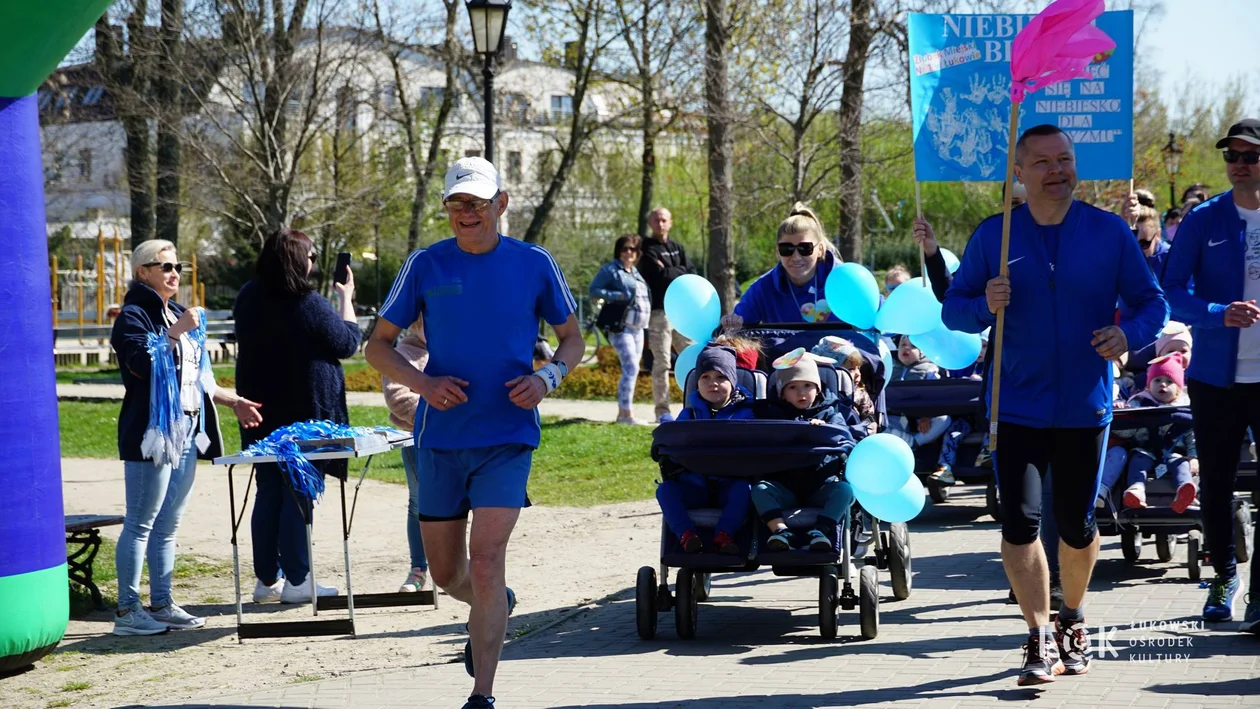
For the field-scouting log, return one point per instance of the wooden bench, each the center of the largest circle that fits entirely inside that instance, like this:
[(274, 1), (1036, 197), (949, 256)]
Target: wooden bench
[(85, 531)]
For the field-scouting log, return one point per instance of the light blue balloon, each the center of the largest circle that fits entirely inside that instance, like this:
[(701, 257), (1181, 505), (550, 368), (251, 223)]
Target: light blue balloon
[(900, 505), (687, 362), (951, 261), (692, 306), (909, 311), (885, 355), (880, 464), (948, 348), (853, 295)]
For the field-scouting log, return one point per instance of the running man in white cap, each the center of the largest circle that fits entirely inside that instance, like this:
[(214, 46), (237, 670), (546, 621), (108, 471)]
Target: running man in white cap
[(481, 295)]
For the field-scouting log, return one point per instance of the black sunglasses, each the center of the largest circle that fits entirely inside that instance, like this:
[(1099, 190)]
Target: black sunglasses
[(805, 248), (1248, 158), (630, 248), (167, 266)]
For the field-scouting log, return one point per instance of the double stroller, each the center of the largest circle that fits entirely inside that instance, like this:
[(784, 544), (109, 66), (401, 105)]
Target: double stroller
[(759, 450), (1158, 519)]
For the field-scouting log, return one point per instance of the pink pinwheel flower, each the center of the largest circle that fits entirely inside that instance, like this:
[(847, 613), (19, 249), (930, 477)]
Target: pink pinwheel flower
[(1057, 45)]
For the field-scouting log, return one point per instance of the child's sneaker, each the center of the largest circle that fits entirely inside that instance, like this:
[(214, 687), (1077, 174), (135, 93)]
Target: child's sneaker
[(1075, 649), (943, 475), (690, 542), (1135, 497), (818, 541), (724, 544), (780, 540), (1186, 492)]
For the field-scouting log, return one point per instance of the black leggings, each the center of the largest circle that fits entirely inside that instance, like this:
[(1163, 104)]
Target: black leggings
[(1024, 456), (1221, 419)]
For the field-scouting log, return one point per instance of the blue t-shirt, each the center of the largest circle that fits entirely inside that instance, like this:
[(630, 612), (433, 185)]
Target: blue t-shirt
[(481, 315)]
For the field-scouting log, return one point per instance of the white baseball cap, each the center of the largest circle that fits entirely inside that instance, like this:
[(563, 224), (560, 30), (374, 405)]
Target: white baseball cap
[(474, 176)]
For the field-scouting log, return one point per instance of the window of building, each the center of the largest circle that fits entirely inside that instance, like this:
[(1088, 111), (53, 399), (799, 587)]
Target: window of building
[(431, 97), (514, 166), (561, 108), (516, 108), (93, 96), (85, 165)]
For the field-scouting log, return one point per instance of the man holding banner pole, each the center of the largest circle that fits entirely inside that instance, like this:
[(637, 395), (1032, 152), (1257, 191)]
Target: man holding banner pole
[(1069, 262)]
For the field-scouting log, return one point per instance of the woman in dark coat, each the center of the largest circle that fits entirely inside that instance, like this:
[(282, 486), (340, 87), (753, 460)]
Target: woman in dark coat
[(291, 343)]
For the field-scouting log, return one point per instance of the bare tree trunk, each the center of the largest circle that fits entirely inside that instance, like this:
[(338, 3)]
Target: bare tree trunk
[(451, 49), (717, 37), (127, 79), (169, 115), (279, 90), (861, 34), (648, 186)]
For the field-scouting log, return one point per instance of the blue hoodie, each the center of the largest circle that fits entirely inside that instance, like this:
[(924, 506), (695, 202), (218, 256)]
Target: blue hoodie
[(1209, 252), (773, 298), (739, 407), (1051, 375)]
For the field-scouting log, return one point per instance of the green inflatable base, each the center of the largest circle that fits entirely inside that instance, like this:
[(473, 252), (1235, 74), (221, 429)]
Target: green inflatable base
[(36, 609)]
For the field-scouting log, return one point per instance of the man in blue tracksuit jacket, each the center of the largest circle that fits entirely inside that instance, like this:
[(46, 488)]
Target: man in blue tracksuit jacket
[(1218, 248), (1069, 262)]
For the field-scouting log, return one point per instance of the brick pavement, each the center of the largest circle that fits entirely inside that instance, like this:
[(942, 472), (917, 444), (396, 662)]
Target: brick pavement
[(954, 643)]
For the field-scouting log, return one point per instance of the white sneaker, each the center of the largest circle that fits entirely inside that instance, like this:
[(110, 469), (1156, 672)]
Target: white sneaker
[(301, 593), (415, 581), (268, 594), (632, 421), (137, 622), (176, 618)]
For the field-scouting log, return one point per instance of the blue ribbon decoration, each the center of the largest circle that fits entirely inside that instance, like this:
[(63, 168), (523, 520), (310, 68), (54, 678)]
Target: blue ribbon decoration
[(283, 442), (168, 430)]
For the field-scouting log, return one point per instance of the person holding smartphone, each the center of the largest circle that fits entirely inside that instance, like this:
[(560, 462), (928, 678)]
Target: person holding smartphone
[(290, 343)]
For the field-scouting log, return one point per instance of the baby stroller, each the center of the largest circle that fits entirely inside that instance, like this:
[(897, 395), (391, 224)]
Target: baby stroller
[(1157, 519), (956, 398), (758, 450)]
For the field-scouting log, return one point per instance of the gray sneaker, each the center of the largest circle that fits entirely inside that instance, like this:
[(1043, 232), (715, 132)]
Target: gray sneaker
[(137, 622), (1251, 619), (177, 618)]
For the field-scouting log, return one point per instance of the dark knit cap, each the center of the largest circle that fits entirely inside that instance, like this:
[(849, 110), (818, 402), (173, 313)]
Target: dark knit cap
[(717, 358)]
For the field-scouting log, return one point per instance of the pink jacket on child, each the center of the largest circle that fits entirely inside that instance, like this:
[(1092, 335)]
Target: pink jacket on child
[(402, 401)]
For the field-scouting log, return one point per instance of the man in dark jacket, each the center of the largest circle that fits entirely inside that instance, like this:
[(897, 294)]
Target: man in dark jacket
[(1068, 264), (661, 262), (1218, 248)]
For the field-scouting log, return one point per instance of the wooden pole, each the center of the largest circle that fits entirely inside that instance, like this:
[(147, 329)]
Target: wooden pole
[(918, 212), (100, 286), (1005, 271), (193, 295), (118, 268), (201, 294), (78, 279)]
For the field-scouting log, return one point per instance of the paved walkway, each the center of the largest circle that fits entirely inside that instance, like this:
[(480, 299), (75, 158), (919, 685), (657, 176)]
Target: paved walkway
[(559, 408), (954, 643)]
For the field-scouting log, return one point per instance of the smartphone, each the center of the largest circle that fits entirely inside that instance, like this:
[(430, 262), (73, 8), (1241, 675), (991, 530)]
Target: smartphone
[(341, 273)]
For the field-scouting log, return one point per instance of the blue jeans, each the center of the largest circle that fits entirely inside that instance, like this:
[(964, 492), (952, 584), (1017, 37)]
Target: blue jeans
[(156, 497), (414, 541), (279, 532), (690, 491)]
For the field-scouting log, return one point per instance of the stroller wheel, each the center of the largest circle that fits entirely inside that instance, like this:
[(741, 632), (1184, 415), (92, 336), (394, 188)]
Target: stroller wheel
[(645, 607), (1165, 546), (868, 600), (828, 597), (1192, 555), (1131, 544), (1242, 531), (687, 606), (706, 587), (899, 560)]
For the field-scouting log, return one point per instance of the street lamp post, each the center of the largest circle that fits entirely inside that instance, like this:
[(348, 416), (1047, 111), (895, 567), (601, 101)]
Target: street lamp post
[(1172, 163), (377, 206), (488, 18)]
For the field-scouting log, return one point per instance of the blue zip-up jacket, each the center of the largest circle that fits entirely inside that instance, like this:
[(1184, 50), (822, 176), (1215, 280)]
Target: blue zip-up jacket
[(1209, 252), (614, 283), (1051, 375), (697, 409), (773, 298)]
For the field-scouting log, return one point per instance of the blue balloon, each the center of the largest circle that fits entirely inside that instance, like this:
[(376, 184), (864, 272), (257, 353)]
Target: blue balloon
[(948, 348), (900, 505), (885, 355), (880, 464), (692, 306), (853, 295), (687, 362), (909, 311), (951, 261)]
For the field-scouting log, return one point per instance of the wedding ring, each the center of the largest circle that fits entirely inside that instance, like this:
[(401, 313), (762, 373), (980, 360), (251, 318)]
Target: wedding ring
[(445, 402)]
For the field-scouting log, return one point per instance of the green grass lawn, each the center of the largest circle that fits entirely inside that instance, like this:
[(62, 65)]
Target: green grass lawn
[(579, 462), (189, 568)]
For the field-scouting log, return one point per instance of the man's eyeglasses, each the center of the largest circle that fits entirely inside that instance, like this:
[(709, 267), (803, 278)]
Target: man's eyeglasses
[(805, 248), (455, 206), (167, 266), (1248, 158)]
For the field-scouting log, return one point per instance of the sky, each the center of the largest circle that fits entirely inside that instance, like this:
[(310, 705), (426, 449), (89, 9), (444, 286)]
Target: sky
[(1206, 42)]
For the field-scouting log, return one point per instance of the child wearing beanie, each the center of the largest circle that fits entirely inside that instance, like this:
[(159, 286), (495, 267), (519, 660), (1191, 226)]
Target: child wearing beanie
[(848, 357), (717, 396), (800, 398), (912, 365)]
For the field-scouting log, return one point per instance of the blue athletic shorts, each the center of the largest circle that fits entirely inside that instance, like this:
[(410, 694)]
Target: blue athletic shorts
[(451, 482)]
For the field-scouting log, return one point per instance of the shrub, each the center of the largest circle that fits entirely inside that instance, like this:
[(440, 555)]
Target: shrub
[(601, 380), (364, 379)]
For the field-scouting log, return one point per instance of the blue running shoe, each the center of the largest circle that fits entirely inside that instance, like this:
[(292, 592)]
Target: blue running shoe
[(1220, 600)]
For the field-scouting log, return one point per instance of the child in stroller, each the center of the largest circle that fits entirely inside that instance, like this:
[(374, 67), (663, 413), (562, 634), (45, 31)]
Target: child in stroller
[(717, 396), (912, 365), (849, 358), (1156, 450), (801, 398)]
